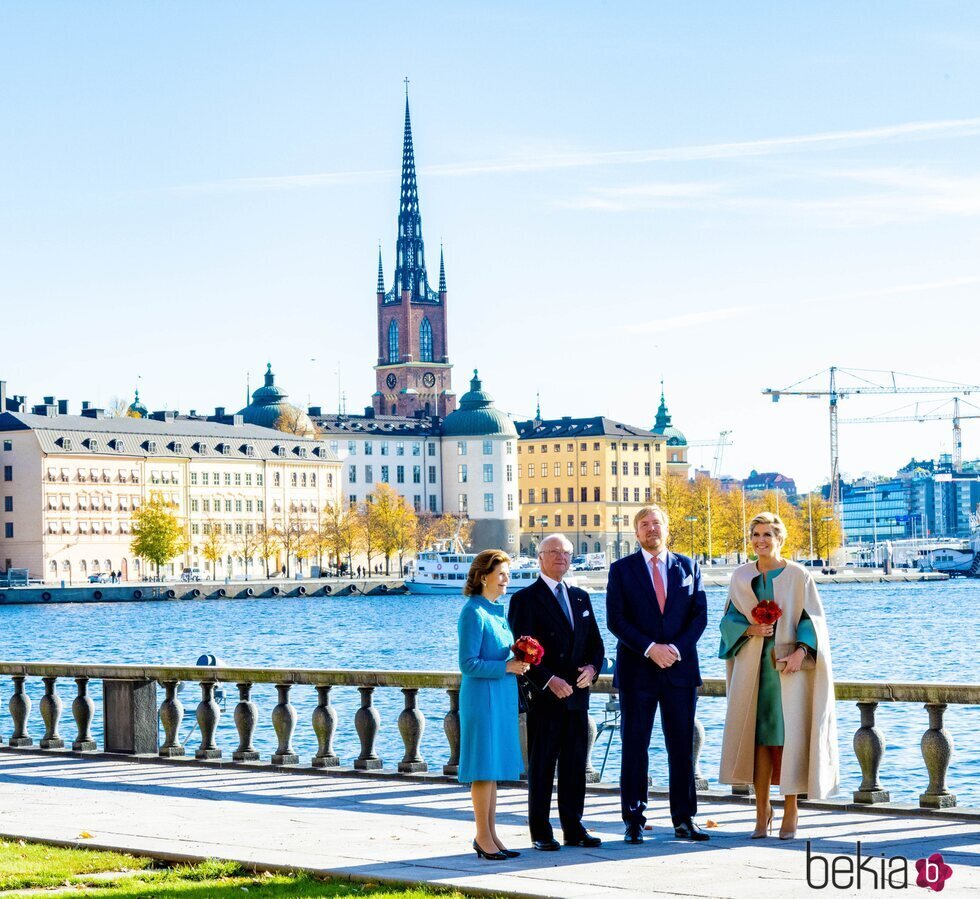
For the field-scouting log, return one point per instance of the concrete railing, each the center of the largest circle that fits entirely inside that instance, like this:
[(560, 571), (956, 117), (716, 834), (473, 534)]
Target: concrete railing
[(130, 715)]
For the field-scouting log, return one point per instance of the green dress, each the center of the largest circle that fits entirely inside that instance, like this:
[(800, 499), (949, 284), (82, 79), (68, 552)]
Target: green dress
[(769, 711)]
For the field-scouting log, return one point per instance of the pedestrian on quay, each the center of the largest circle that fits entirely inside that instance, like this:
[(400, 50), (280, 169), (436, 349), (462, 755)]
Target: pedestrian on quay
[(780, 724), (489, 743), (656, 606), (561, 619)]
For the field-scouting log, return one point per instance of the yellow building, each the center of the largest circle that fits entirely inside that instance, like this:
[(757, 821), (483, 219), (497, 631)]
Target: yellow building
[(585, 478)]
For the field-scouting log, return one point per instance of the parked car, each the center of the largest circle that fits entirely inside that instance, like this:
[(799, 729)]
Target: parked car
[(98, 578), (190, 574)]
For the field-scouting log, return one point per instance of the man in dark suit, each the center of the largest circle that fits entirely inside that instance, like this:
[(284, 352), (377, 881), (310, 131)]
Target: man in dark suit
[(656, 607), (561, 619)]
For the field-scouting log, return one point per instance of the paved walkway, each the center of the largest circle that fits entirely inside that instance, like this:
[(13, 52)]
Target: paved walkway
[(418, 831)]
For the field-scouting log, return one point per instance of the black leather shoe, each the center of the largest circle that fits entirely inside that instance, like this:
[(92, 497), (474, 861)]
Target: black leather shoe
[(510, 853), (489, 856), (551, 845), (688, 830), (586, 840), (634, 834)]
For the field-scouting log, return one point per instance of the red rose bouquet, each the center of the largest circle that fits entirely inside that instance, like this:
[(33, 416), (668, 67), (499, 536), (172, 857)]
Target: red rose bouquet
[(527, 649), (766, 611)]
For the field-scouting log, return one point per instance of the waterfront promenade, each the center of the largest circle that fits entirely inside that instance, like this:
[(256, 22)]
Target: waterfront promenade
[(372, 828)]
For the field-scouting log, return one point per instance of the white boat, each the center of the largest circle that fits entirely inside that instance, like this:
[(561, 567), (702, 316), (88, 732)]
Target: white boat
[(438, 572)]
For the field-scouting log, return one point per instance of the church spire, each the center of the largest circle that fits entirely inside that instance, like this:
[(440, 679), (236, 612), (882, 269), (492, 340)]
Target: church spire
[(410, 271), (381, 274), (442, 271)]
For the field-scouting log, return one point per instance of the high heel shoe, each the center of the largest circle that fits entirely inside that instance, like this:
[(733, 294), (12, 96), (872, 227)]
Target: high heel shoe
[(489, 856), (766, 831), (788, 834), (510, 853)]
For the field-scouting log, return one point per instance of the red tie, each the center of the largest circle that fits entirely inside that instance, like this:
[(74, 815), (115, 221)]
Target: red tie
[(658, 584)]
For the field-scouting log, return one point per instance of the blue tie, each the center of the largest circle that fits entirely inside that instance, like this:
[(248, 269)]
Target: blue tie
[(559, 595)]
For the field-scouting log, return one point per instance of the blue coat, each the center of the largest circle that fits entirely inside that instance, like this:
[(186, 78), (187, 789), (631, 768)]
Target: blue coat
[(634, 616), (489, 742)]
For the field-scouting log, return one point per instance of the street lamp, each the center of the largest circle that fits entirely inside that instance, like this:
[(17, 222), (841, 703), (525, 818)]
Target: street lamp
[(693, 519), (617, 521), (826, 531)]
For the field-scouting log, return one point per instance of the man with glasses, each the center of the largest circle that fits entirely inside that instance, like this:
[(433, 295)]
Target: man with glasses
[(561, 619)]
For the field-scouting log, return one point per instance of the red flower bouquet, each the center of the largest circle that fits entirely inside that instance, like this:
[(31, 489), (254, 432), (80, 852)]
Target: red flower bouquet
[(767, 612), (527, 649)]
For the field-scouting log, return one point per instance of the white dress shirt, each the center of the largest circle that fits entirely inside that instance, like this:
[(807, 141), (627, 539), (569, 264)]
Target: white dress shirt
[(552, 586), (661, 558)]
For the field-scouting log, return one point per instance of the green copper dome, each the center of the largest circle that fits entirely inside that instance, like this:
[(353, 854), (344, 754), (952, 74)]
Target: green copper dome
[(663, 428), (476, 415), (136, 408), (269, 405)]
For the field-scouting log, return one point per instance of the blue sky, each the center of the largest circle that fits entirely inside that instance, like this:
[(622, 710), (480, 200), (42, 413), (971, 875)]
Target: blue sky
[(727, 196)]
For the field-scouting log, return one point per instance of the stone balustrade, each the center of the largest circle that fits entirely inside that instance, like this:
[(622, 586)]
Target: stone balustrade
[(130, 716)]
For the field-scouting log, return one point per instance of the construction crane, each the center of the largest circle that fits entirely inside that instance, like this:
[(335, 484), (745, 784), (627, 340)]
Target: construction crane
[(719, 446), (932, 415), (865, 386)]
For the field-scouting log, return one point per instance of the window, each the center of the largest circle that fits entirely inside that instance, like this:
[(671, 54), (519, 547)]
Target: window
[(636, 494), (530, 449), (294, 479), (352, 474), (597, 522), (646, 469), (636, 469), (399, 447), (460, 447), (558, 520), (384, 447), (432, 449), (207, 504), (195, 528), (238, 479), (227, 479), (303, 479), (8, 446), (509, 448), (432, 503), (596, 494), (615, 494), (393, 354), (530, 470), (416, 474), (351, 447), (530, 521), (259, 480), (275, 479), (530, 497), (558, 469), (238, 505), (615, 467), (596, 467), (8, 504), (193, 479), (647, 494), (432, 474), (544, 495), (461, 474), (228, 528), (368, 449), (368, 474), (584, 495), (487, 447), (194, 505), (260, 505), (8, 472), (510, 502), (571, 494), (384, 474), (248, 479), (238, 530), (227, 505), (487, 502), (205, 478), (557, 447), (488, 474), (416, 448), (8, 530), (464, 505), (509, 475), (571, 468), (658, 469), (425, 341), (400, 474)]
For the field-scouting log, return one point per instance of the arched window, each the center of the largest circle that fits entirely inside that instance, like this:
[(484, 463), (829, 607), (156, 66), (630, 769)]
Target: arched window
[(393, 354), (425, 341)]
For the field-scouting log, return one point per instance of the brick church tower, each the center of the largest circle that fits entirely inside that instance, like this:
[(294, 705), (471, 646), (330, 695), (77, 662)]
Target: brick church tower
[(413, 371)]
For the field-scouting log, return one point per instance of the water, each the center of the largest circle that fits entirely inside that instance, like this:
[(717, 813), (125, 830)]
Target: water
[(896, 632)]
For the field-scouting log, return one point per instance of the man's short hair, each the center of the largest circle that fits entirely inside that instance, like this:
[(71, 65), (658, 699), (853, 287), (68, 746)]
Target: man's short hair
[(649, 510), (566, 543)]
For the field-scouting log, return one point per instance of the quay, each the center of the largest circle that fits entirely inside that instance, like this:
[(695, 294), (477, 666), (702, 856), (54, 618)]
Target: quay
[(366, 828)]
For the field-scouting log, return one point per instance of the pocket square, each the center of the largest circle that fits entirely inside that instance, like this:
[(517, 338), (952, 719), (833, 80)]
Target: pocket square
[(687, 581), (585, 613)]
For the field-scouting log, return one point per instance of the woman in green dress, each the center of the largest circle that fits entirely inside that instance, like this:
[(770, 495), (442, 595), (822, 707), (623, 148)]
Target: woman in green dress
[(780, 726)]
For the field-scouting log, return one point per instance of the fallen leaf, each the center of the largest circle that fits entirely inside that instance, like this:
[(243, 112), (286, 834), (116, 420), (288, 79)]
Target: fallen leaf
[(710, 823), (85, 835)]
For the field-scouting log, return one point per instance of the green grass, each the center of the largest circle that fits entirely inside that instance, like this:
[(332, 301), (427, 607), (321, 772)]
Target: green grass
[(94, 875)]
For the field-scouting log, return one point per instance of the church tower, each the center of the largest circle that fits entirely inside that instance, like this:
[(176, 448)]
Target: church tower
[(413, 371)]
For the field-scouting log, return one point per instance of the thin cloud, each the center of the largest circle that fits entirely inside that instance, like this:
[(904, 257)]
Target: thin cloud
[(686, 320), (942, 129)]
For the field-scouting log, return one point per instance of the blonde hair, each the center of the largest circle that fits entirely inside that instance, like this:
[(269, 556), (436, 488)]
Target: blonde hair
[(649, 510), (771, 519), (483, 566)]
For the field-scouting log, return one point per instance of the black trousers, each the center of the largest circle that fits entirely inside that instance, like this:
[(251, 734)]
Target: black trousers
[(556, 736), (638, 709)]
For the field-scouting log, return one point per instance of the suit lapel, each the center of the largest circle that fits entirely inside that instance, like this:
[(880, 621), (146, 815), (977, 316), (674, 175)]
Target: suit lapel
[(550, 603)]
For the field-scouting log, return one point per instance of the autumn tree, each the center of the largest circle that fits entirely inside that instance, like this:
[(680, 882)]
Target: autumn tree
[(249, 545), (343, 529), (369, 535), (293, 420), (158, 534), (392, 522), (213, 545), (268, 545), (817, 519), (428, 528)]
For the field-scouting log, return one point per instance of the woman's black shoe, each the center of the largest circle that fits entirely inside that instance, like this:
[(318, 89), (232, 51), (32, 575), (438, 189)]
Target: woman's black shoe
[(490, 856), (510, 853)]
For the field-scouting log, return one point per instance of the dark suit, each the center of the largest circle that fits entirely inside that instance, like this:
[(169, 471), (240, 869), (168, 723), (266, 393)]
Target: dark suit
[(557, 729), (633, 615)]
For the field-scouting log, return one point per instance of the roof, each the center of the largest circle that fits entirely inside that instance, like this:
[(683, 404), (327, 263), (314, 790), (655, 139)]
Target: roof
[(376, 426), (477, 416), (132, 436), (596, 426)]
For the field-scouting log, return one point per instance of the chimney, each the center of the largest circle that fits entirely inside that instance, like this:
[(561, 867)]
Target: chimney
[(90, 411), (49, 401), (85, 405), (219, 411), (237, 419), (315, 411), (163, 416), (3, 397), (369, 411), (62, 407), (47, 409)]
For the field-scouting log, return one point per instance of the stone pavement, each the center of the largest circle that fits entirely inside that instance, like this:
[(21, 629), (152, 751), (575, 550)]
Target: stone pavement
[(379, 829)]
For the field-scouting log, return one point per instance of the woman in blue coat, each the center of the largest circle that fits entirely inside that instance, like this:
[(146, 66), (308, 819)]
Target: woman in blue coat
[(489, 745)]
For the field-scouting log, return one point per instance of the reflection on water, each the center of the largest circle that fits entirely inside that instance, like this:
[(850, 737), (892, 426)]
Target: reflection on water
[(898, 632)]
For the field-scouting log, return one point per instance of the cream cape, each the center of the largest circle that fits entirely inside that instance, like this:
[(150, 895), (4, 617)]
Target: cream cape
[(810, 757)]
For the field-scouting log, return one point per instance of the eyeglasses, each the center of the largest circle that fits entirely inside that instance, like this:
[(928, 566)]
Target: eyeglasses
[(556, 552)]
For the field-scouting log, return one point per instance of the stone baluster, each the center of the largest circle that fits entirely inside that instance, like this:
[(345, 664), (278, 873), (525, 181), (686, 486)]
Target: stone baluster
[(591, 775), (83, 711), (869, 747), (20, 710), (246, 717), (324, 726), (171, 714), (284, 724), (208, 713), (51, 707), (366, 723), (700, 781), (450, 724), (411, 725), (937, 749)]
